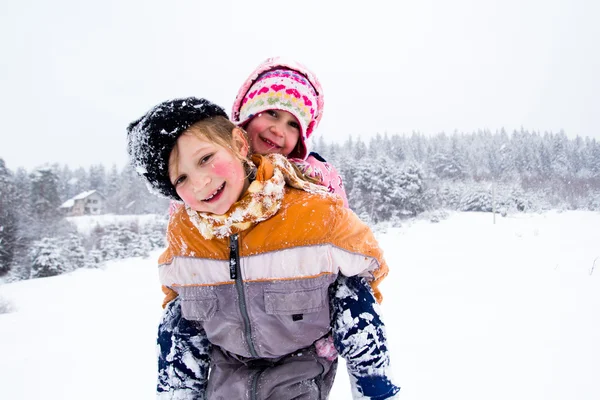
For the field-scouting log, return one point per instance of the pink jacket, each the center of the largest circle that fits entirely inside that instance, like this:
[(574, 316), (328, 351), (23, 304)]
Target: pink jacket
[(316, 167)]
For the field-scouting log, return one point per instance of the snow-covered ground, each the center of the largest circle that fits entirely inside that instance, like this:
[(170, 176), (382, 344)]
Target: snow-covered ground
[(474, 310)]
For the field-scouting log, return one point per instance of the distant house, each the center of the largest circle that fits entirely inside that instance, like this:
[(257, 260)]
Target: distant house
[(85, 203)]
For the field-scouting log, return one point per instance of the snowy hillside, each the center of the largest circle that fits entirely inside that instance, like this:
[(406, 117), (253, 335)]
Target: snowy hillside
[(474, 311)]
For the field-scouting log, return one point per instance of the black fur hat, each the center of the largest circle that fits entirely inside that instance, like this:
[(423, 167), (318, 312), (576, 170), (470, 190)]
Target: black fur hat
[(151, 138)]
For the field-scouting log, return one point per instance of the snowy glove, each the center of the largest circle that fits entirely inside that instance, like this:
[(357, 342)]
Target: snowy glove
[(183, 357), (373, 388), (359, 336)]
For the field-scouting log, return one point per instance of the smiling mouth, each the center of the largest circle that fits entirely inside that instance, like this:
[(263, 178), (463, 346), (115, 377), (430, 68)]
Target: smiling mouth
[(270, 144), (216, 193)]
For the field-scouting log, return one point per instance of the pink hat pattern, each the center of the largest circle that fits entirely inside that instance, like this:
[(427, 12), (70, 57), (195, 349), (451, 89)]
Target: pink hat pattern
[(282, 89)]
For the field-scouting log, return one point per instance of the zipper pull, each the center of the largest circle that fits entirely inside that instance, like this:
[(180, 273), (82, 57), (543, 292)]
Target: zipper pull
[(234, 258)]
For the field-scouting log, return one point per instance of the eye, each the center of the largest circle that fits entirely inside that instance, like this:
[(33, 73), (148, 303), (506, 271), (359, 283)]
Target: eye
[(294, 125), (205, 159), (179, 180), (272, 113)]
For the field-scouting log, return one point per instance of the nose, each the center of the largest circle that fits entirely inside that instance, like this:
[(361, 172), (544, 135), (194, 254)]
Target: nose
[(278, 129), (200, 183)]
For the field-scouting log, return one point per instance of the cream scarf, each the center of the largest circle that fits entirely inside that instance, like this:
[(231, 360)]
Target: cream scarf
[(260, 202)]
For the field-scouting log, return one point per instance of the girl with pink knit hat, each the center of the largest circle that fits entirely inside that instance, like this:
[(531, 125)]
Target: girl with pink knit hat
[(280, 105)]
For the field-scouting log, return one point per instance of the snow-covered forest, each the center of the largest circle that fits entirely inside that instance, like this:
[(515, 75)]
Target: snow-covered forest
[(37, 239), (395, 176), (388, 178)]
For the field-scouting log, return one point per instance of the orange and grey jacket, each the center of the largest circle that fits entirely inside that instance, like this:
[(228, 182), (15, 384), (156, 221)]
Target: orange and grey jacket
[(272, 279)]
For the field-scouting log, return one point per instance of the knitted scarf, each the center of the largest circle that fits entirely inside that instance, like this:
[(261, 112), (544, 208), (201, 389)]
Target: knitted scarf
[(260, 202)]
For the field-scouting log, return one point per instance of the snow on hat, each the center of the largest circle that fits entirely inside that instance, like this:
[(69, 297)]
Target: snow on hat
[(151, 138), (279, 84)]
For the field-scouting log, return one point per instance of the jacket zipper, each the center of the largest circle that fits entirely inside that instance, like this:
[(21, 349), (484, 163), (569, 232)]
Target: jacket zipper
[(254, 385), (235, 272)]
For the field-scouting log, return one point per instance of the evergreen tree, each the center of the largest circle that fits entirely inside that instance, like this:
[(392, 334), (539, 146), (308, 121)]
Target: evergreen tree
[(93, 258), (320, 146), (372, 189), (347, 170), (8, 219), (376, 147), (112, 191), (577, 156), (594, 159), (360, 150), (47, 258), (97, 179), (109, 244), (333, 154), (545, 165), (518, 147), (477, 201), (79, 182), (348, 147), (129, 242), (494, 163), (507, 162), (478, 156), (154, 233), (418, 147), (44, 195), (447, 166), (135, 197), (26, 228), (408, 194), (395, 148), (560, 162), (74, 252), (65, 175)]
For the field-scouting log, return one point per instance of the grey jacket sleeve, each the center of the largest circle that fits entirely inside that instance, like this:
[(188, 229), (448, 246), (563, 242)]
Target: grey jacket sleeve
[(183, 356)]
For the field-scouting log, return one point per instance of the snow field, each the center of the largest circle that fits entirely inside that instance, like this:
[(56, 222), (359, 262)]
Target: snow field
[(474, 310)]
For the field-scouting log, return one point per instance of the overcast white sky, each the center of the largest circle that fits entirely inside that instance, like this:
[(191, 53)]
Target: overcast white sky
[(75, 73)]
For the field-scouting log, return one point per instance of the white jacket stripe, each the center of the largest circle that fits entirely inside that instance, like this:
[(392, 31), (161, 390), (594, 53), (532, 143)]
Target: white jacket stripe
[(296, 262)]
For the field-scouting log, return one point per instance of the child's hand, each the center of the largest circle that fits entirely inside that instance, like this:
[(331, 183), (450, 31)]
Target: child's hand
[(307, 169), (325, 348)]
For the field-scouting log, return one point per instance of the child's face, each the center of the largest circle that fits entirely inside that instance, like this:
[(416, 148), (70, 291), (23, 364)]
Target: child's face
[(208, 177), (273, 131)]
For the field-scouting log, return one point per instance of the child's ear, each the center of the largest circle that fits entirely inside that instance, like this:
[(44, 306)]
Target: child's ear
[(239, 139)]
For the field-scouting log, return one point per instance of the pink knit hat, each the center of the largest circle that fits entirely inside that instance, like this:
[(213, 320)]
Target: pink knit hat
[(279, 84)]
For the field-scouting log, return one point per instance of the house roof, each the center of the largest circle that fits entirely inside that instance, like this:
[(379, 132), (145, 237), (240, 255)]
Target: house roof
[(71, 202)]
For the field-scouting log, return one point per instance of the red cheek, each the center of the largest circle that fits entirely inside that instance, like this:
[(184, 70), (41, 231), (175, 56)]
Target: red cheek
[(222, 168)]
